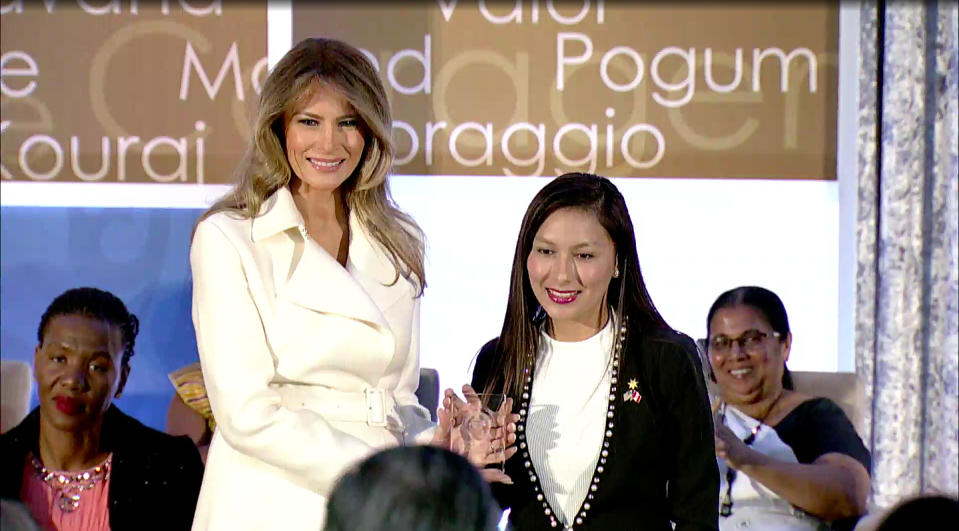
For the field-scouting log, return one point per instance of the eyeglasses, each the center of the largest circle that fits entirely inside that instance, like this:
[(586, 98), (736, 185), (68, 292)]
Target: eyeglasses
[(751, 342)]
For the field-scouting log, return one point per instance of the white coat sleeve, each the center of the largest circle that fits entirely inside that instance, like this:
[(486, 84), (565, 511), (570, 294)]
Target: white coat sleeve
[(416, 419), (238, 366)]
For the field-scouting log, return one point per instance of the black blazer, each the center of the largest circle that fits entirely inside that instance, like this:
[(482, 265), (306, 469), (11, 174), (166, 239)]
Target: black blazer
[(661, 465), (155, 478)]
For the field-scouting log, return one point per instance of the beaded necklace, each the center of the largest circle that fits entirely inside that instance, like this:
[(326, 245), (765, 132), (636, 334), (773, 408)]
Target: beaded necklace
[(604, 453), (67, 487)]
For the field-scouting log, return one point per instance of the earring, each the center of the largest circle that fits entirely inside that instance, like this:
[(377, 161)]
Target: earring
[(616, 272)]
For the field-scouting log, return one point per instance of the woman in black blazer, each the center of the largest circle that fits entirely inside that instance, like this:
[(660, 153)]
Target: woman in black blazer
[(78, 462), (155, 477), (615, 429)]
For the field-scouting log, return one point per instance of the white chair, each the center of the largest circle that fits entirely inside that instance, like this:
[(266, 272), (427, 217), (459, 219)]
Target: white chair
[(16, 384)]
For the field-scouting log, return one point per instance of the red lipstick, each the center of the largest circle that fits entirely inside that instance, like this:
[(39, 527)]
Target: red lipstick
[(68, 406)]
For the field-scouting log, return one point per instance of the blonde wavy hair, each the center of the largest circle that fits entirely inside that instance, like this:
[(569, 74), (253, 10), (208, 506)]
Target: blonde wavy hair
[(265, 167)]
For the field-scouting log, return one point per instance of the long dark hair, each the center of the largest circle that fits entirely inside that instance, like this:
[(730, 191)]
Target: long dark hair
[(519, 338), (764, 301)]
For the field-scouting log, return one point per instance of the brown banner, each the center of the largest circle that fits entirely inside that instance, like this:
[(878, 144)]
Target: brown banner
[(536, 87), (160, 91), (127, 91)]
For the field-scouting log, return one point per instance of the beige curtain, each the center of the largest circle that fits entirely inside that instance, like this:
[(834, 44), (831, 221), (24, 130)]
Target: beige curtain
[(907, 300)]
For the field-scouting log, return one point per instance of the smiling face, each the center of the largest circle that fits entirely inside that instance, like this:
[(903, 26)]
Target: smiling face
[(570, 267), (79, 369), (750, 369), (324, 139)]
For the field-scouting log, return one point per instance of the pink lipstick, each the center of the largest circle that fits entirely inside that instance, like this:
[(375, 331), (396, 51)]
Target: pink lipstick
[(562, 297)]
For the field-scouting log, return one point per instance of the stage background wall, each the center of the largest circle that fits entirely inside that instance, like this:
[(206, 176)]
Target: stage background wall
[(139, 254), (773, 210)]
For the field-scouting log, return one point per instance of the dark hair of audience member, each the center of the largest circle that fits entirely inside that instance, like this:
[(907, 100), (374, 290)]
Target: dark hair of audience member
[(922, 512), (98, 304), (414, 488), (767, 303), (14, 516)]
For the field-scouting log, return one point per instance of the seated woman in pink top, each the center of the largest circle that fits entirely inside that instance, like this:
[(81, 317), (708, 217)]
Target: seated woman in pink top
[(76, 461)]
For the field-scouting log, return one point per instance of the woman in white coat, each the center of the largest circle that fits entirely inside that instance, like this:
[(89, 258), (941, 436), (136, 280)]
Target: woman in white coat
[(306, 299)]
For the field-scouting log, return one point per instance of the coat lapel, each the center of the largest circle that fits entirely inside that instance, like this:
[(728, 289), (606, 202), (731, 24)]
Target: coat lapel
[(306, 275), (318, 282), (369, 265)]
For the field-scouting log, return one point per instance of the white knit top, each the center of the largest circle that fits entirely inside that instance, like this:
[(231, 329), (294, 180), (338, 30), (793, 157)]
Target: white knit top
[(567, 416)]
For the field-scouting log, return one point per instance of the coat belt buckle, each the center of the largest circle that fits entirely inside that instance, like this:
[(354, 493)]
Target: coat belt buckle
[(375, 407)]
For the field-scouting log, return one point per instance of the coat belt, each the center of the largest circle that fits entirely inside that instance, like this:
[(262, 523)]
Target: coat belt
[(374, 406)]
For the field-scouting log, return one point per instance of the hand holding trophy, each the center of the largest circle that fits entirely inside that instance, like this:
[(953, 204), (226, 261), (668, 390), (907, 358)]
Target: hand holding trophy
[(482, 428)]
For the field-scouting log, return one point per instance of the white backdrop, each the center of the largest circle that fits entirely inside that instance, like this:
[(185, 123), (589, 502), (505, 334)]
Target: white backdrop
[(695, 239)]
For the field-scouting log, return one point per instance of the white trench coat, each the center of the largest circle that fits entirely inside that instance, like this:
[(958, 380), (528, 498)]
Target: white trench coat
[(309, 366)]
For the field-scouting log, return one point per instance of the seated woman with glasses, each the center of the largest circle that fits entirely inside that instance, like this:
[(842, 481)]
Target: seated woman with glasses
[(787, 461)]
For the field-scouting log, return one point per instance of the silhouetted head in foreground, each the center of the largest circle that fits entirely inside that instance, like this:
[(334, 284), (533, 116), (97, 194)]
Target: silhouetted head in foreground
[(415, 488)]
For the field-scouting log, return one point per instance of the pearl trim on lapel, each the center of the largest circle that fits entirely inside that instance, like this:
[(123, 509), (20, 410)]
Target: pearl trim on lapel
[(607, 436)]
